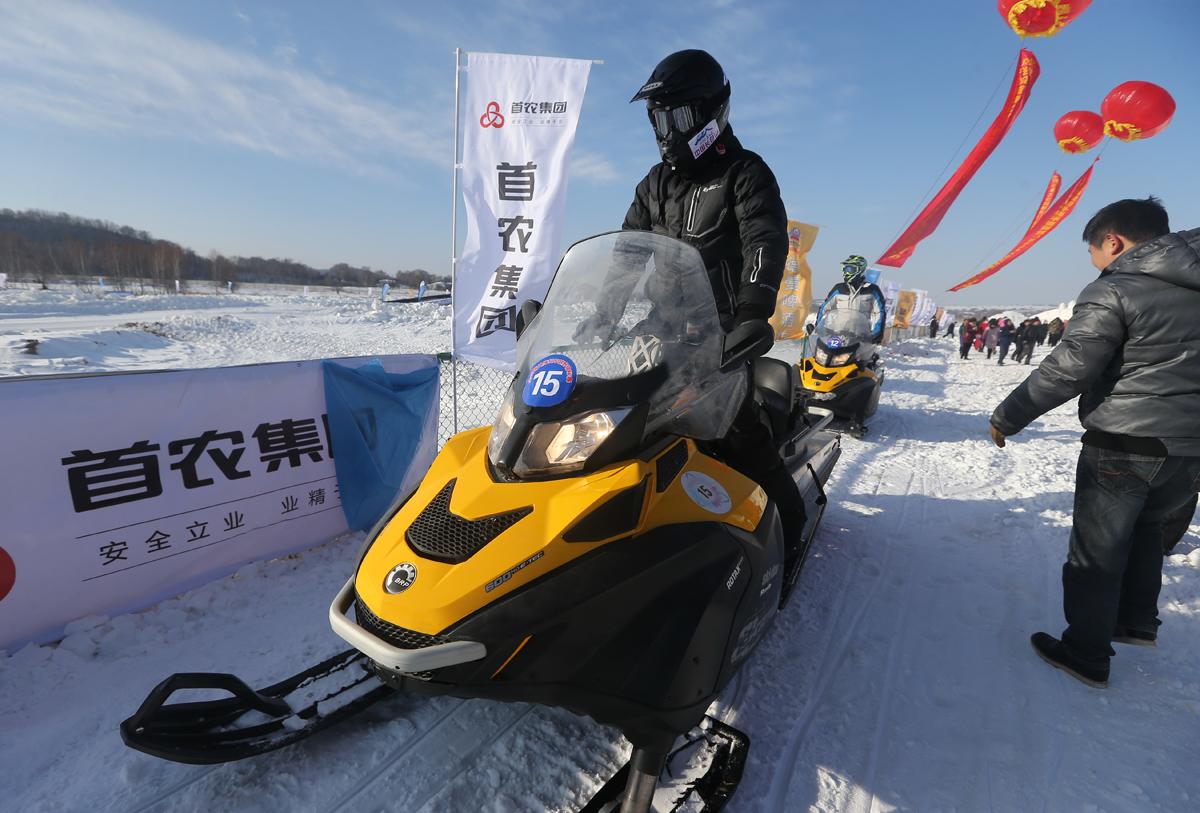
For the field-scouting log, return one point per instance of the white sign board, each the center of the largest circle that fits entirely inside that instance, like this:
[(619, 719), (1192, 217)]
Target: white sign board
[(123, 489), (519, 115)]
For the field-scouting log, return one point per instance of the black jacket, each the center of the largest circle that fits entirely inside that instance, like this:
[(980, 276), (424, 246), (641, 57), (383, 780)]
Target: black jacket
[(730, 209), (1131, 351)]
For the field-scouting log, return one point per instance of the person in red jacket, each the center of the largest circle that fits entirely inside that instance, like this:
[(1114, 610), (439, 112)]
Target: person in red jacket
[(966, 337)]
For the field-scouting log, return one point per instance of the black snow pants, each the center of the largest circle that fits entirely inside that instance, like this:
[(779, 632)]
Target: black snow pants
[(1113, 572)]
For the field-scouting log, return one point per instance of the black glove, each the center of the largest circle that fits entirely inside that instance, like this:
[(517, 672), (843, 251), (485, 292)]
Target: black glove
[(747, 312)]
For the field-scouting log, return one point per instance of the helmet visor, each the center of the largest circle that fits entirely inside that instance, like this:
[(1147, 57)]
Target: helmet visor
[(681, 119)]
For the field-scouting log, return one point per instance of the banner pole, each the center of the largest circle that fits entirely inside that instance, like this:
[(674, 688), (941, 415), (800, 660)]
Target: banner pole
[(454, 244)]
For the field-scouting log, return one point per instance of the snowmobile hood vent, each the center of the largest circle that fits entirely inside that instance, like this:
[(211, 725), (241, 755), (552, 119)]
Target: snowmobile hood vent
[(443, 536), (396, 636)]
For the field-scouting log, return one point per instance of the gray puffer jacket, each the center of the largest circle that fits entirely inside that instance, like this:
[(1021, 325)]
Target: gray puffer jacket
[(1131, 351)]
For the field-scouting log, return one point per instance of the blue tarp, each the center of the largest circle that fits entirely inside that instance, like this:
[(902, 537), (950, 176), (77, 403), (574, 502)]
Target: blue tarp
[(375, 423)]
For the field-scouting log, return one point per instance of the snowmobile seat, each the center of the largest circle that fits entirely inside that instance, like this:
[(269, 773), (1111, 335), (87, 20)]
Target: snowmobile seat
[(775, 386)]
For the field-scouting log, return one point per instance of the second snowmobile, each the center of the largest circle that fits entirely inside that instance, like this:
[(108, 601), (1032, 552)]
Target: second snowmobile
[(589, 550), (843, 375)]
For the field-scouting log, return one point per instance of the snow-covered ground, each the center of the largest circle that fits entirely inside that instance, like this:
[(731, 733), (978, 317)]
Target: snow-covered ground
[(67, 331), (899, 678)]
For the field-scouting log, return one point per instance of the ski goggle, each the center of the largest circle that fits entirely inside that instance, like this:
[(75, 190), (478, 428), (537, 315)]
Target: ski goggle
[(680, 119)]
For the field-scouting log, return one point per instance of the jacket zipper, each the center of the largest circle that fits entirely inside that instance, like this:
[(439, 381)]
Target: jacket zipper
[(691, 218), (757, 265)]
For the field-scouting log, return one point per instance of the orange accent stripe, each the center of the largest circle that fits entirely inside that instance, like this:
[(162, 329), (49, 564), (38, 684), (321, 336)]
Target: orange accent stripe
[(520, 646)]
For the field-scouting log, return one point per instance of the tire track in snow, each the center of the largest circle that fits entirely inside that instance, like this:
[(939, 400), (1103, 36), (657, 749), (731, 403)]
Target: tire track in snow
[(460, 738), (170, 793), (864, 798), (389, 761), (471, 758), (832, 655), (172, 790)]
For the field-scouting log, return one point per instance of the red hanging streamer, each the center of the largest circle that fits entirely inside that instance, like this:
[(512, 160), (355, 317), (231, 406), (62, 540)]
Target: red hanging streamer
[(931, 216), (1040, 228), (1047, 199)]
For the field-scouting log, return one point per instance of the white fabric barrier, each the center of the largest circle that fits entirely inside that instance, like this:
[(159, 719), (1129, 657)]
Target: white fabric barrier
[(122, 489)]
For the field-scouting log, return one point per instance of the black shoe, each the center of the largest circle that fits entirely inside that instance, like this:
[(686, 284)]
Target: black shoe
[(1052, 651), (1136, 637)]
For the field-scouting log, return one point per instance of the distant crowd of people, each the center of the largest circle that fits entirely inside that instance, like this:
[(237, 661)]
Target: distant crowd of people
[(998, 335)]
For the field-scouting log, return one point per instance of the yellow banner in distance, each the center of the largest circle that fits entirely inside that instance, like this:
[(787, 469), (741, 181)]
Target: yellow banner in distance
[(904, 308), (795, 290)]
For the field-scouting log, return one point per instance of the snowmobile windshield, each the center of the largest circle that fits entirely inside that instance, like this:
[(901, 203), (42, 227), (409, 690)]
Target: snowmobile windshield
[(629, 330), (843, 332)]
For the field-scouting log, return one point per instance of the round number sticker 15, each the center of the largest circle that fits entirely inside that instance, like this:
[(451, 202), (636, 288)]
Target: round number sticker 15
[(706, 492), (550, 382)]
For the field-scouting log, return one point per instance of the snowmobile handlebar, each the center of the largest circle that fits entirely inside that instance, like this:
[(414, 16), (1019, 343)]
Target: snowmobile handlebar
[(746, 341)]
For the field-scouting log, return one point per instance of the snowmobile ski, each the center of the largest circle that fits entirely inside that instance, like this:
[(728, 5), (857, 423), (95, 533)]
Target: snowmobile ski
[(700, 775), (250, 722)]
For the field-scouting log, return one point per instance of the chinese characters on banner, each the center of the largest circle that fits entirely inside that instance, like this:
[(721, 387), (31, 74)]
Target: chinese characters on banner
[(183, 477), (519, 119)]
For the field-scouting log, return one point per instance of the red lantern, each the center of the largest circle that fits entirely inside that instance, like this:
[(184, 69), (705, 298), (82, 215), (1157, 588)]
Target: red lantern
[(1040, 18), (1134, 110), (1079, 131)]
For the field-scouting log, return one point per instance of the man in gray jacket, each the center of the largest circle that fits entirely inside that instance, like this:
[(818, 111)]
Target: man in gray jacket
[(1132, 354)]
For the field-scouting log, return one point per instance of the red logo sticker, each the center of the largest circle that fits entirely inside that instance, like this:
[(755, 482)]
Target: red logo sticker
[(492, 116)]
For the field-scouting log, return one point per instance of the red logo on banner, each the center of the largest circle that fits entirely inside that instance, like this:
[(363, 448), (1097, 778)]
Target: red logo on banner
[(8, 573), (492, 116)]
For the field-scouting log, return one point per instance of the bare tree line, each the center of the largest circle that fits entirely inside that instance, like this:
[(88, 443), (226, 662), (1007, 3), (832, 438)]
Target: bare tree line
[(42, 247)]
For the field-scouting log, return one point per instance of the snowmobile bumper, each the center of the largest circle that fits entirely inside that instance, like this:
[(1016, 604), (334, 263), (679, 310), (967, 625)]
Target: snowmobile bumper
[(426, 659)]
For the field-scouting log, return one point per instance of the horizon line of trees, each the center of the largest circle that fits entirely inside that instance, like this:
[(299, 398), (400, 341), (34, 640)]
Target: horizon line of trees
[(41, 247)]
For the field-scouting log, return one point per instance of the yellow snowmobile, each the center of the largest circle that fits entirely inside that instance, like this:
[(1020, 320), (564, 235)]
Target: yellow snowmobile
[(588, 550), (843, 375)]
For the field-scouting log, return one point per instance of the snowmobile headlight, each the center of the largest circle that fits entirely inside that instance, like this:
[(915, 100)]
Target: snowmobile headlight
[(840, 359), (564, 446), (502, 426)]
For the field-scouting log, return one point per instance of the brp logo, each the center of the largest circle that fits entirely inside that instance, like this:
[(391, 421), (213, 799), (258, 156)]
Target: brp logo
[(492, 117), (400, 578)]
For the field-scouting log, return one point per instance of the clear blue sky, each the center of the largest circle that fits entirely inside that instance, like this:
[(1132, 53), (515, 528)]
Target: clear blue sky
[(322, 131)]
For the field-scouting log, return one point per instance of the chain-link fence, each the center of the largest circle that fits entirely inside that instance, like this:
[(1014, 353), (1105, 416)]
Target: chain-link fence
[(480, 390)]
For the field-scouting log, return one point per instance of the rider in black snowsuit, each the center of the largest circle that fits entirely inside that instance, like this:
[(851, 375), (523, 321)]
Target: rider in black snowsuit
[(714, 194)]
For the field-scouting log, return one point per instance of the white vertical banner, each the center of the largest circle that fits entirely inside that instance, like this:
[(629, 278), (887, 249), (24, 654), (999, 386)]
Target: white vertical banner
[(919, 318), (519, 119), (891, 292)]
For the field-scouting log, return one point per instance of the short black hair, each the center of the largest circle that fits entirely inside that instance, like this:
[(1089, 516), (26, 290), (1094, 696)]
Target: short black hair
[(1139, 220)]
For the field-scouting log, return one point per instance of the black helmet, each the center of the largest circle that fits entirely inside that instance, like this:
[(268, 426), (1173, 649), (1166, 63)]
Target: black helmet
[(687, 101)]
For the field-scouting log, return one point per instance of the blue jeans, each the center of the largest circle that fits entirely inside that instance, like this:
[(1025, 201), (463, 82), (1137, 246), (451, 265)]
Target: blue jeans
[(1114, 567)]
